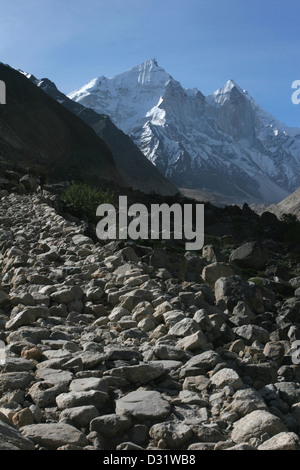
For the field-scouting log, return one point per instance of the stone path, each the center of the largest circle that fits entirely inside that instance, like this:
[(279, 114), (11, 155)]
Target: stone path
[(106, 348)]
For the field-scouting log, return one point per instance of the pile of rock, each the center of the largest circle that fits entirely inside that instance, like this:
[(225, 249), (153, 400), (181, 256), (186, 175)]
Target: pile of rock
[(122, 346)]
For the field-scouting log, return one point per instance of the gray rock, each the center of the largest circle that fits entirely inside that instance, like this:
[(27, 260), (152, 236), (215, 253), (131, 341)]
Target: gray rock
[(117, 313), (29, 182), (206, 360), (22, 318), (129, 446), (250, 255), (226, 377), (143, 405), (167, 364), (212, 254), (44, 394), (115, 382), (33, 334), (295, 413), (241, 447), (260, 374), (94, 294), (54, 435), (12, 439), (88, 383), (201, 446), (246, 401), (91, 359), (58, 311), (196, 383), (212, 272), (174, 434), (275, 351), (82, 240), (110, 425), (4, 299), (202, 318), (22, 298), (242, 314), (282, 441), (255, 424), (193, 342), (142, 373), (15, 381), (80, 416), (206, 433), (231, 290), (54, 376), (167, 352), (252, 333), (63, 296), (185, 327), (172, 317), (187, 397), (290, 309), (17, 364), (115, 353), (73, 399), (289, 392), (297, 292)]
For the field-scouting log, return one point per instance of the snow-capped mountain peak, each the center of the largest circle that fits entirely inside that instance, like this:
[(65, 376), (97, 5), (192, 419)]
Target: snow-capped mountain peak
[(223, 94), (225, 142), (146, 73), (127, 97)]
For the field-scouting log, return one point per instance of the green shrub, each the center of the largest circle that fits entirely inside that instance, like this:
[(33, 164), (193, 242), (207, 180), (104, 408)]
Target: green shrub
[(82, 200)]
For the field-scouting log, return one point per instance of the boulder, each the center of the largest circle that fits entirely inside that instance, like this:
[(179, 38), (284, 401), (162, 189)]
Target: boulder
[(110, 425), (229, 291), (282, 441), (251, 255), (256, 424), (12, 439), (212, 272), (143, 405), (227, 377), (53, 435), (174, 434)]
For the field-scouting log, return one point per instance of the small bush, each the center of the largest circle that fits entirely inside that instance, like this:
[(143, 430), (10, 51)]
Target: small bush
[(82, 200)]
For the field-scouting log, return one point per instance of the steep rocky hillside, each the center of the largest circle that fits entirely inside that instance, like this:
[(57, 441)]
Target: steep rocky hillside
[(39, 134), (290, 205)]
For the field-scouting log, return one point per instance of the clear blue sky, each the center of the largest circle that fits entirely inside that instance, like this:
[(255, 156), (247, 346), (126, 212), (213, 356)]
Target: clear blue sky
[(201, 43)]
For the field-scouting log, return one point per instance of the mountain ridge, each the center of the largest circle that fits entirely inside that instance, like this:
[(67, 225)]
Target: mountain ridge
[(37, 133), (221, 141), (289, 205), (135, 168)]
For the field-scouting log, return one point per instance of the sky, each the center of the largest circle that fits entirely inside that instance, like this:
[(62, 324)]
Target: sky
[(201, 43)]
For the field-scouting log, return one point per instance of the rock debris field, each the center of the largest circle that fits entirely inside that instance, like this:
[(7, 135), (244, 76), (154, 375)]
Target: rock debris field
[(119, 346)]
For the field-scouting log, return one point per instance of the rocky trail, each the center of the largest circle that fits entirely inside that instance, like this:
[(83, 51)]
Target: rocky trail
[(119, 346)]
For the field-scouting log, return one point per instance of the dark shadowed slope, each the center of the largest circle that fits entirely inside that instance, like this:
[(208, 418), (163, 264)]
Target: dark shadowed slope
[(36, 131)]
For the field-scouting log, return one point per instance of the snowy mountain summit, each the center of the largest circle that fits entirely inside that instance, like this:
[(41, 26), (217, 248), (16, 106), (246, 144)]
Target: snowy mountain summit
[(224, 143)]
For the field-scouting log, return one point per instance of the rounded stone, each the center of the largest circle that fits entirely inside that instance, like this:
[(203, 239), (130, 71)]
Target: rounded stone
[(143, 405)]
